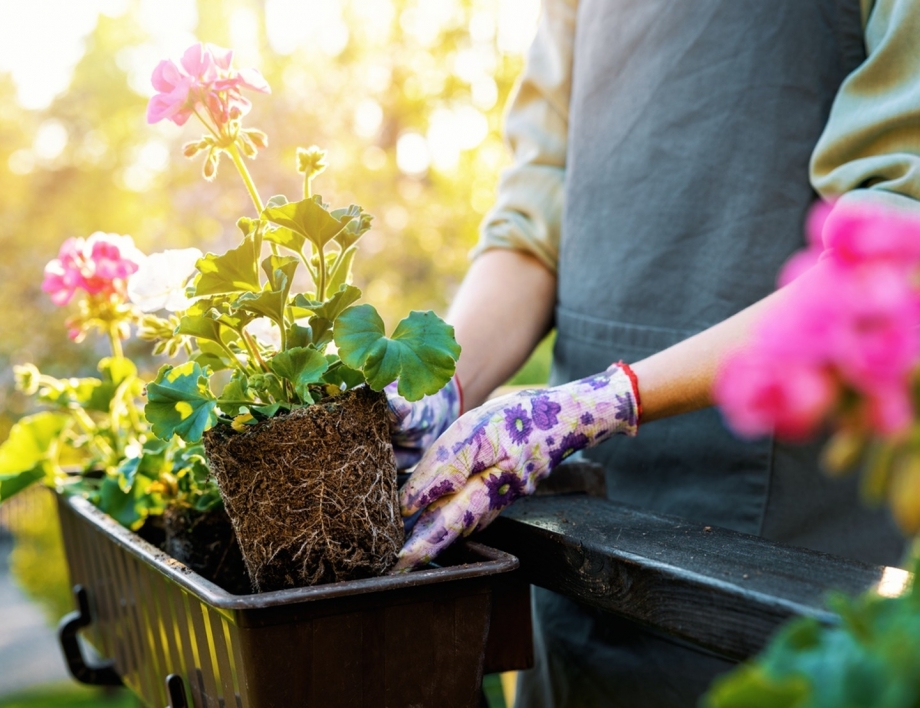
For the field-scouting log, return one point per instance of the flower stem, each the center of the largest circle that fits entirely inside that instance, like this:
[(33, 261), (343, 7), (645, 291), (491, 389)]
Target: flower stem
[(234, 152), (247, 178), (117, 351), (321, 293), (253, 351)]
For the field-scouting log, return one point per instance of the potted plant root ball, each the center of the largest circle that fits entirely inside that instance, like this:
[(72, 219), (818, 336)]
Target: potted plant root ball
[(285, 388)]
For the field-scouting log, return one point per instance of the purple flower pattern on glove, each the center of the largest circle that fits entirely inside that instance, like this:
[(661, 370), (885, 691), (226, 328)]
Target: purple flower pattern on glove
[(500, 451), (518, 425), (545, 412), (415, 426)]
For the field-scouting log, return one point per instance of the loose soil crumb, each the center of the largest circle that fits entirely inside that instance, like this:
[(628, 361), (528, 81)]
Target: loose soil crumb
[(312, 495)]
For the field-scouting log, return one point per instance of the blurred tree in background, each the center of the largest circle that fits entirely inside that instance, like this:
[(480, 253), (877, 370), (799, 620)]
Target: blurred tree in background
[(406, 95)]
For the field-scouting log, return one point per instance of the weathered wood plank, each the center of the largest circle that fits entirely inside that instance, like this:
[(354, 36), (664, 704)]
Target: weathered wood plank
[(723, 590)]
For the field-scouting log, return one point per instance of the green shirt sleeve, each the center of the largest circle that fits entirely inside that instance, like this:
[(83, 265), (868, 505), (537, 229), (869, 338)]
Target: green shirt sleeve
[(870, 148), (528, 209)]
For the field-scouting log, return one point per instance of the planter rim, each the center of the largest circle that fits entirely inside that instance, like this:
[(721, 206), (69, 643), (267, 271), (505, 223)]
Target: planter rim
[(494, 562)]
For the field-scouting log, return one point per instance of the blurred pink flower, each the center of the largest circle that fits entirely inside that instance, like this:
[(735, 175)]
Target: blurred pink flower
[(850, 319), (806, 259), (205, 78), (760, 394), (857, 234), (100, 264), (875, 341)]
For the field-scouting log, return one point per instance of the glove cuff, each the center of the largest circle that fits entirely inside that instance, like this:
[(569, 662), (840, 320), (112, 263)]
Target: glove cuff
[(462, 408), (634, 380)]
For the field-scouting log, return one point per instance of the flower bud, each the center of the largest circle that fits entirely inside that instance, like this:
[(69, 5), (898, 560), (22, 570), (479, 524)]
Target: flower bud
[(904, 494), (311, 161), (27, 378), (193, 148), (259, 139), (246, 145), (843, 451), (209, 168)]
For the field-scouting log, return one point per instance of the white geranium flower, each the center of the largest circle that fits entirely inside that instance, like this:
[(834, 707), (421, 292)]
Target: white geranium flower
[(266, 331), (159, 283)]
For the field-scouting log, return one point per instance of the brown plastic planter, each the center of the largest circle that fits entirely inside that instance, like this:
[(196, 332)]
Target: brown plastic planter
[(421, 639)]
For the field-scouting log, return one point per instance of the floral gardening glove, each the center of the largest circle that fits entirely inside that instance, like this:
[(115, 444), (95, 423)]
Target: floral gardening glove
[(500, 451), (415, 426)]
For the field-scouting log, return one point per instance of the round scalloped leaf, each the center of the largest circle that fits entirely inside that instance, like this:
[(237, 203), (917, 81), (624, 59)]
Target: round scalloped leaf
[(179, 402), (422, 353)]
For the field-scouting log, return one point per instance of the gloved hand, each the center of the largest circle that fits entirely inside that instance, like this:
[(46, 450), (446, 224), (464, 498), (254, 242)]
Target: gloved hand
[(500, 451), (415, 426)]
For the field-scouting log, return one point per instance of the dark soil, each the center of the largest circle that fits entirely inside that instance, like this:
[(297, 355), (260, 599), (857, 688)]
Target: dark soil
[(206, 543), (312, 494)]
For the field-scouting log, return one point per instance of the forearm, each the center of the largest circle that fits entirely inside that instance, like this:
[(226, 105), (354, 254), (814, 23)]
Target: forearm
[(680, 379), (503, 309)]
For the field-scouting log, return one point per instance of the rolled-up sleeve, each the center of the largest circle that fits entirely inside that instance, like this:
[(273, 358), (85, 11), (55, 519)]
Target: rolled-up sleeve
[(528, 208), (870, 149)]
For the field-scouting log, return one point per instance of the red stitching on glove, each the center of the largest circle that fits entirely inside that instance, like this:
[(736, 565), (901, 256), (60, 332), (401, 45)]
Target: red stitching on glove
[(459, 392), (635, 387)]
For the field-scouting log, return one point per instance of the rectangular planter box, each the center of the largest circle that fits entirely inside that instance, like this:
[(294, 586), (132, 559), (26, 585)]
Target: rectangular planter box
[(419, 639)]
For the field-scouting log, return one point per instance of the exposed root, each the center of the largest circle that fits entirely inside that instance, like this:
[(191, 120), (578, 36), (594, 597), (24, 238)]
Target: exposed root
[(312, 495)]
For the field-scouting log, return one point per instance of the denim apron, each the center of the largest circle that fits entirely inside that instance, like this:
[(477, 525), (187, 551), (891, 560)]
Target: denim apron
[(690, 130)]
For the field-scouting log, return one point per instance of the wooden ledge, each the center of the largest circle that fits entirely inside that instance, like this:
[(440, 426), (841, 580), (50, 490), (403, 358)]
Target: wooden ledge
[(723, 590)]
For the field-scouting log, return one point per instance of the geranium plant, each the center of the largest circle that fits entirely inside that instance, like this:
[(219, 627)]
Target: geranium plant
[(841, 354), (246, 317), (93, 439)]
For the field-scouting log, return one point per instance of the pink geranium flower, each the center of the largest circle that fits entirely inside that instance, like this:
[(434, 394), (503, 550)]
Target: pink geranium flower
[(204, 78), (100, 264), (760, 395), (850, 320)]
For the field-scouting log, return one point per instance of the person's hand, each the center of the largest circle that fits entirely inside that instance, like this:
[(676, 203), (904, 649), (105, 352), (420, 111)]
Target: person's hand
[(415, 426), (500, 451)]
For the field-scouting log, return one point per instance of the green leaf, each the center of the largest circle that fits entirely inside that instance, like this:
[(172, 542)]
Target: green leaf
[(237, 388), (341, 374), (269, 303), (25, 455), (301, 366), (84, 393), (307, 218), (267, 386), (180, 402), (30, 441), (117, 370), (334, 306), (421, 354), (356, 221), (339, 276), (129, 508), (322, 331), (236, 270), (126, 472), (751, 686), (266, 412), (280, 271), (298, 336), (212, 356), (200, 327), (282, 236), (11, 484)]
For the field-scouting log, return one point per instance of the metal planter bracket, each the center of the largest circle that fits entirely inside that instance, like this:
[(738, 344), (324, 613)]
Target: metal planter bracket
[(102, 674)]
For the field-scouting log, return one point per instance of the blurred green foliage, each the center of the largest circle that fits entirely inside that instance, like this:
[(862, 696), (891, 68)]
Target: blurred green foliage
[(402, 82), (37, 560), (71, 696), (871, 660)]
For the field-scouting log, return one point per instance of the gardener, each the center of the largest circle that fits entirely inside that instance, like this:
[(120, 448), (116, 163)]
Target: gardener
[(685, 141)]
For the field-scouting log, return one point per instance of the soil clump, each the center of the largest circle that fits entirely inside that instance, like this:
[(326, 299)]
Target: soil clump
[(312, 494)]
